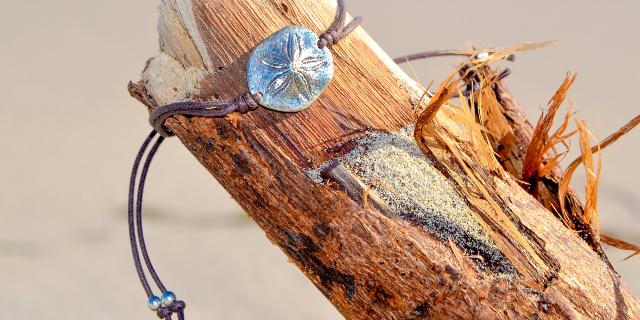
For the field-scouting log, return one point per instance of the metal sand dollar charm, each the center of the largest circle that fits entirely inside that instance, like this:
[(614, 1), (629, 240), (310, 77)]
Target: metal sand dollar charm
[(289, 70)]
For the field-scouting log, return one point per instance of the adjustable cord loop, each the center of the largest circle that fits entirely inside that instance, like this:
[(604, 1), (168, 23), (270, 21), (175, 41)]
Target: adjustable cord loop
[(141, 241), (131, 219), (168, 304)]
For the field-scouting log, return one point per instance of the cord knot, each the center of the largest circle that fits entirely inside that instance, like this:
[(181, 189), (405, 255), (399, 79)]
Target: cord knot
[(328, 39), (246, 102), (338, 28), (177, 307)]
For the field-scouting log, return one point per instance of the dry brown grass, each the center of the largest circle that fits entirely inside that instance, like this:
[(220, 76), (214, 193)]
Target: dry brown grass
[(536, 162), (542, 158), (593, 173), (621, 245)]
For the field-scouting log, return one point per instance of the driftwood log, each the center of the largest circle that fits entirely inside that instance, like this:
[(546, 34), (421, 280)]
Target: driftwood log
[(386, 230)]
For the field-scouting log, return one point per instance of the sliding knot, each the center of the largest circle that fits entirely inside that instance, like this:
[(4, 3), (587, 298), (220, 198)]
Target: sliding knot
[(246, 102), (328, 39), (338, 29), (177, 307)]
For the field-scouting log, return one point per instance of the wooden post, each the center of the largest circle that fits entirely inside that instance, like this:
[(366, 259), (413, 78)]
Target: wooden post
[(474, 245)]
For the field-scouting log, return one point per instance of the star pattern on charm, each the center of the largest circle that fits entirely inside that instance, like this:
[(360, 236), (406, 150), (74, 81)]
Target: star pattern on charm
[(294, 66)]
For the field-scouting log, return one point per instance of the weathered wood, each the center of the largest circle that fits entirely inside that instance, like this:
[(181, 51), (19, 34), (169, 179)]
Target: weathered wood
[(372, 259)]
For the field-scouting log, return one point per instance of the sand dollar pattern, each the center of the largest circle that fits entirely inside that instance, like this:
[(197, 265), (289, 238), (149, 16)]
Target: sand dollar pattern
[(289, 69)]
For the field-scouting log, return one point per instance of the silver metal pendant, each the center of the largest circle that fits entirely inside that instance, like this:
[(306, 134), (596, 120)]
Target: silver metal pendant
[(289, 69)]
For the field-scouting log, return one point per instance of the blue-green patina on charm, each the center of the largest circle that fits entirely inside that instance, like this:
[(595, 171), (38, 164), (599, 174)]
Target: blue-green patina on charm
[(289, 70)]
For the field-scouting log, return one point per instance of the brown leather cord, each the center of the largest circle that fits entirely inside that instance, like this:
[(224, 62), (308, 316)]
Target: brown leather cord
[(435, 54), (142, 243), (470, 87), (213, 109), (429, 54), (131, 218), (135, 228)]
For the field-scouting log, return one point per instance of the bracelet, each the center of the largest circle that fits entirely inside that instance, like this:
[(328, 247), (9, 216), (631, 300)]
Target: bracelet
[(287, 72)]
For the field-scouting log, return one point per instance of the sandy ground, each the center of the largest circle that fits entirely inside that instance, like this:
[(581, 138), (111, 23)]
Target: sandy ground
[(68, 133)]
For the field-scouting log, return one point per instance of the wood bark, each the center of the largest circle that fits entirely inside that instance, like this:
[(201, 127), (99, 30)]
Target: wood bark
[(371, 260)]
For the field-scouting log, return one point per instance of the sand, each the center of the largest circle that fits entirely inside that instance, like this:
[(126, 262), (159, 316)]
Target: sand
[(393, 166)]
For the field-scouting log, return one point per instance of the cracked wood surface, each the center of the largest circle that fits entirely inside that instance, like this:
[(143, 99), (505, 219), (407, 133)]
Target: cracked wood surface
[(371, 264)]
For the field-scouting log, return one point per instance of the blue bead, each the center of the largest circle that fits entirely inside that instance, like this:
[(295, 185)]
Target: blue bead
[(168, 298), (154, 303), (289, 70)]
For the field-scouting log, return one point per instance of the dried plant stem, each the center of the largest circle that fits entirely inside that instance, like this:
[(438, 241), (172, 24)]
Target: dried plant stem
[(568, 174), (620, 244)]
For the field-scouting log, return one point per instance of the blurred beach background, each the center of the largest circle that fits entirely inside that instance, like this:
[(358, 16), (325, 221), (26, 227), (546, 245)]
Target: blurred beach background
[(69, 131)]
